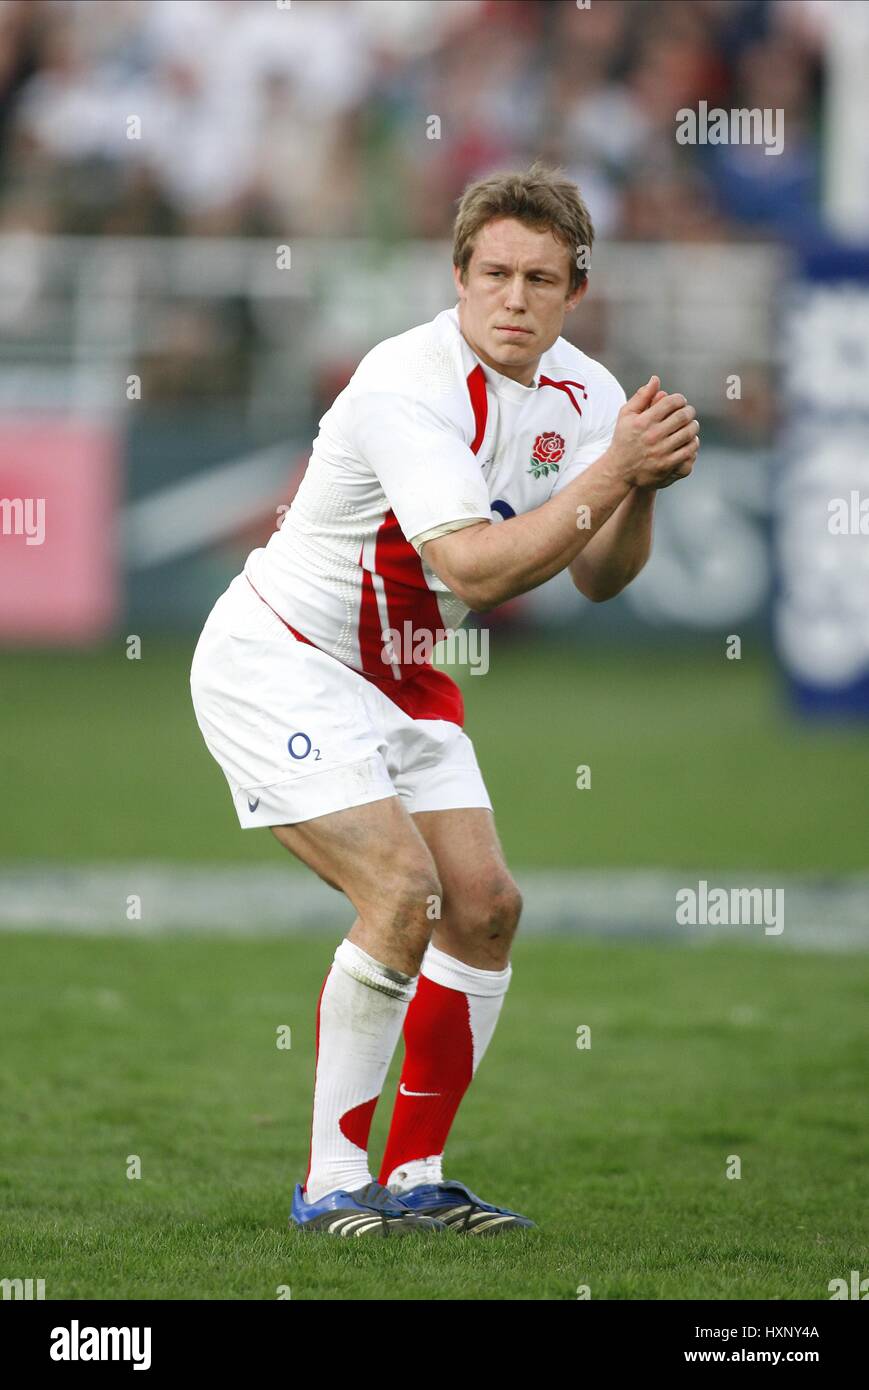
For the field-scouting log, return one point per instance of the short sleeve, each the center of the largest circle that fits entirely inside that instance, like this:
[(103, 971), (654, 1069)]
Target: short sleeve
[(608, 401), (426, 469), (444, 530)]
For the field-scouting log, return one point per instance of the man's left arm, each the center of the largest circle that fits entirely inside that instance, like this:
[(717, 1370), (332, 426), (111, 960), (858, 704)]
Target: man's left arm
[(620, 549), (615, 556)]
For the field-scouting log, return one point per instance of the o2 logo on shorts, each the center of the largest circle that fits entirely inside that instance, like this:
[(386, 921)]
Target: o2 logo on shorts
[(504, 510), (299, 746)]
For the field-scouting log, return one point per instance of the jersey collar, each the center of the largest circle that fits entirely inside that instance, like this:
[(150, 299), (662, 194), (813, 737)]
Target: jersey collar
[(505, 385)]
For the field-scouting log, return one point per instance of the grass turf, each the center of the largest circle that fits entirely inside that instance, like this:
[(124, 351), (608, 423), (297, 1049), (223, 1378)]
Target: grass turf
[(695, 762), (166, 1049)]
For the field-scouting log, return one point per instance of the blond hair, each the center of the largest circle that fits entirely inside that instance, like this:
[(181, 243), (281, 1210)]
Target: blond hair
[(542, 198)]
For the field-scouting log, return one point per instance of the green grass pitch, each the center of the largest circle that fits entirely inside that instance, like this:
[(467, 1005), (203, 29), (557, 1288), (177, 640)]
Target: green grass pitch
[(166, 1049)]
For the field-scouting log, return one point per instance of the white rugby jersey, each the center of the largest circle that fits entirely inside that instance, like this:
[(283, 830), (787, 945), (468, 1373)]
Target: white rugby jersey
[(424, 438)]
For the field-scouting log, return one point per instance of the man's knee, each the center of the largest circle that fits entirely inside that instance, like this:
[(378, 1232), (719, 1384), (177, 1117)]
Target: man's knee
[(491, 909), (506, 905)]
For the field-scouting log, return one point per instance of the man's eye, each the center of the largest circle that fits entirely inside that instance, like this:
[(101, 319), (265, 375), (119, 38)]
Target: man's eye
[(539, 279)]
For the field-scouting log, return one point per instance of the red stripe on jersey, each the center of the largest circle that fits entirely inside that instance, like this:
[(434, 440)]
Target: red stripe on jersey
[(565, 387), (416, 687), (425, 694), (408, 599), (400, 567), (479, 404)]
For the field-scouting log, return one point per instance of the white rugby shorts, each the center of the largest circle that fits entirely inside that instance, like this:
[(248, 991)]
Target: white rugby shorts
[(298, 734)]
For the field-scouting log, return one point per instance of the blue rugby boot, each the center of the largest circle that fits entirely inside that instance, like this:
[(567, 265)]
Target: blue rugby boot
[(462, 1210), (371, 1210)]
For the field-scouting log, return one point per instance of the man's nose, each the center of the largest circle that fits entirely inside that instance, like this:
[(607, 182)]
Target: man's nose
[(516, 293)]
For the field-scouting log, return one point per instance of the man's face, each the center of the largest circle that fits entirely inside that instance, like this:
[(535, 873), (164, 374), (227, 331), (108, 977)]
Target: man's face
[(517, 279)]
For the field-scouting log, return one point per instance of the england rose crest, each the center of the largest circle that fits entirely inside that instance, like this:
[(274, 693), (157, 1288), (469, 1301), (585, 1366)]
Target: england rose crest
[(547, 453)]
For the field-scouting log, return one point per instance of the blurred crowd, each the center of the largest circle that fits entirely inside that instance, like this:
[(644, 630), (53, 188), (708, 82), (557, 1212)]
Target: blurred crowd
[(368, 117)]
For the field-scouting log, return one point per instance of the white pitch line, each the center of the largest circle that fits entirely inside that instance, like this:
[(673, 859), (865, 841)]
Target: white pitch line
[(821, 914)]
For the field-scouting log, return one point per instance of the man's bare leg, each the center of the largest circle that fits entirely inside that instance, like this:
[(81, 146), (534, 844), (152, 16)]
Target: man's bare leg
[(481, 903), (376, 856)]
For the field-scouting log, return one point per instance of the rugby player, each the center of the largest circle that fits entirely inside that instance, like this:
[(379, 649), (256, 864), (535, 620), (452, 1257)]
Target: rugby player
[(467, 461)]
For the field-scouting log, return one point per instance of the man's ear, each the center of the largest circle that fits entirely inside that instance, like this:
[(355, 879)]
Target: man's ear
[(576, 295), (457, 277)]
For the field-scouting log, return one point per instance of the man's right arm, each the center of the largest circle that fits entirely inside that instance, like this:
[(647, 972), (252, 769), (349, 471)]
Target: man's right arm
[(486, 564)]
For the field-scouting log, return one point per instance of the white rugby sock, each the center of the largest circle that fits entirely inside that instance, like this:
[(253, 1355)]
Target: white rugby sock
[(359, 1018)]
